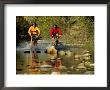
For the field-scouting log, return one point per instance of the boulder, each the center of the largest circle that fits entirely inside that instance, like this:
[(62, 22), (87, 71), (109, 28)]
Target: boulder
[(87, 64), (91, 65), (87, 58), (86, 51), (51, 50), (81, 66), (77, 56), (61, 53), (86, 54), (68, 53)]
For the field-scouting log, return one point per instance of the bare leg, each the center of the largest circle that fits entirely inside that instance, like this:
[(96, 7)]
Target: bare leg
[(53, 41), (31, 43)]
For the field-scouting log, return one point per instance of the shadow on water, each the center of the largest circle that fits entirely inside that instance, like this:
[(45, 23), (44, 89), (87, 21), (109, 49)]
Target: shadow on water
[(67, 60)]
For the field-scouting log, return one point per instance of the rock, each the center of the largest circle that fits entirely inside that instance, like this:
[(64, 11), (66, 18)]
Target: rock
[(72, 67), (86, 58), (51, 50), (68, 53), (87, 64), (92, 65), (86, 54), (61, 53), (77, 56), (52, 56), (33, 70), (81, 66), (77, 69), (86, 51), (90, 68)]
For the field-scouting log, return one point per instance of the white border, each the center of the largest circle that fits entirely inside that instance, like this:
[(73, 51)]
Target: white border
[(100, 77)]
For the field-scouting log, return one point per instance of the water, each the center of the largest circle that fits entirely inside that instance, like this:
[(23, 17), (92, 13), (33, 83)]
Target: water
[(65, 62)]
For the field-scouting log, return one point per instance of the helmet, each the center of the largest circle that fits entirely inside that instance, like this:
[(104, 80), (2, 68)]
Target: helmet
[(34, 24), (55, 26)]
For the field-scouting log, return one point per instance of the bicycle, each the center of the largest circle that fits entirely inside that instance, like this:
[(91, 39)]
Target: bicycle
[(56, 40)]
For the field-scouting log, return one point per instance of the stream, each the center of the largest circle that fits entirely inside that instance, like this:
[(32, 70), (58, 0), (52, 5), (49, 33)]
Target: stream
[(68, 60)]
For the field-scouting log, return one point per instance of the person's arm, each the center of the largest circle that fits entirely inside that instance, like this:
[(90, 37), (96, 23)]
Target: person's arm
[(29, 31), (51, 31), (60, 32), (38, 31)]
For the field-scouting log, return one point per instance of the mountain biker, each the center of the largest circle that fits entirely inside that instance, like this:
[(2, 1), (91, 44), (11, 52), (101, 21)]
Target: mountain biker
[(34, 33), (55, 32)]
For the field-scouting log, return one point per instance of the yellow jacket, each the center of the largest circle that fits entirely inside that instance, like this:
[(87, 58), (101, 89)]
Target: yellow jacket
[(34, 31)]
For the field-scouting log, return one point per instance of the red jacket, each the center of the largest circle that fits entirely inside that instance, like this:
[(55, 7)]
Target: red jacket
[(54, 31)]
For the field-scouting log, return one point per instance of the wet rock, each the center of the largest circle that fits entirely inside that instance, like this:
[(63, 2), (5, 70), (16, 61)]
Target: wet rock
[(90, 68), (77, 69), (86, 54), (87, 64), (62, 53), (68, 53), (72, 67), (87, 58), (92, 65), (81, 66), (33, 70), (77, 56), (52, 56), (86, 51), (51, 50)]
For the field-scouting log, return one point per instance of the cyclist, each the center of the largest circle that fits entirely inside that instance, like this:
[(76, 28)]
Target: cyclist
[(55, 33), (34, 33)]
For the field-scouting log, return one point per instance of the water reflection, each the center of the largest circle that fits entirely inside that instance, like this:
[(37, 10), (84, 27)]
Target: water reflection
[(62, 62)]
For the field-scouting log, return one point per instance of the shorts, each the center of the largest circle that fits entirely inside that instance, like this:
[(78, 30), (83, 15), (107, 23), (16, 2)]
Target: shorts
[(35, 38)]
